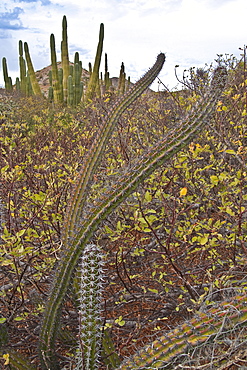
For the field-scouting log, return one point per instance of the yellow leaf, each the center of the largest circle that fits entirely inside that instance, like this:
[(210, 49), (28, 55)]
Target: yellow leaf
[(6, 358), (183, 191)]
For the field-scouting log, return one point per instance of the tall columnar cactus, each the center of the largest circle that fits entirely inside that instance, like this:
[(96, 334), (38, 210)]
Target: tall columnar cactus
[(65, 58), (94, 78), (77, 83), (107, 75), (31, 73), (121, 80), (22, 66), (57, 91), (91, 270), (93, 157), (73, 247), (7, 79), (70, 99)]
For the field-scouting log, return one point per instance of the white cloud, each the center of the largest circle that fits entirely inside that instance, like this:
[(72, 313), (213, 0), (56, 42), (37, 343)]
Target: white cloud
[(190, 32)]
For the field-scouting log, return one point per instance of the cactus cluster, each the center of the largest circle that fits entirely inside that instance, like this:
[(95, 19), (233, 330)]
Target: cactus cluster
[(66, 84)]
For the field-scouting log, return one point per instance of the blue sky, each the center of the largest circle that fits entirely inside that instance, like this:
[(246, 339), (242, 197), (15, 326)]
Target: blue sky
[(190, 32)]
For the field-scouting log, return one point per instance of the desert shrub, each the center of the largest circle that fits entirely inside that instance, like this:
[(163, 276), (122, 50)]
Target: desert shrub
[(177, 242)]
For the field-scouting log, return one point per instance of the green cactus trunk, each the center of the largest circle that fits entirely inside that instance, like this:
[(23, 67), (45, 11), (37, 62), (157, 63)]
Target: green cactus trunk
[(23, 72), (107, 75), (7, 79), (73, 247), (204, 327), (57, 92), (121, 81), (90, 311), (35, 85), (65, 58), (94, 78)]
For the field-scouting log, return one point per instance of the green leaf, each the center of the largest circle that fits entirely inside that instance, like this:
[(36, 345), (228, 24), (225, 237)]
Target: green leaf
[(204, 239), (148, 196)]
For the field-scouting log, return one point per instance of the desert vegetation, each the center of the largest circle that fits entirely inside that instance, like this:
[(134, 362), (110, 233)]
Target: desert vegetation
[(123, 225)]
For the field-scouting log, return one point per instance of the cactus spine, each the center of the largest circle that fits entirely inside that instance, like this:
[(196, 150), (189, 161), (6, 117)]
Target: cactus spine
[(65, 58), (31, 73), (94, 78), (72, 246)]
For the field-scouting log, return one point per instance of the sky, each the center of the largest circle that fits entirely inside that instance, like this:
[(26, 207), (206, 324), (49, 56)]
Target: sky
[(190, 32)]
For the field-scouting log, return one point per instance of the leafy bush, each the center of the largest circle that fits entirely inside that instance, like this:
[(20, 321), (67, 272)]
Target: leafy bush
[(177, 244)]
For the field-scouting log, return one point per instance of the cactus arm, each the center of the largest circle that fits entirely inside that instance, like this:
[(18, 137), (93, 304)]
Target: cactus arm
[(55, 78), (203, 327), (22, 66), (107, 75), (154, 158), (90, 163), (94, 78), (90, 311), (33, 79), (121, 80), (7, 80), (77, 81), (63, 276), (65, 58), (70, 97)]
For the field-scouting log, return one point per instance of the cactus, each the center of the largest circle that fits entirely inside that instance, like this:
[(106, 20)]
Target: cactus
[(79, 196), (55, 78), (70, 91), (72, 246), (107, 75), (203, 327), (89, 311), (7, 79), (29, 89), (121, 81), (77, 83), (22, 66), (75, 237), (65, 58), (17, 84), (32, 76), (94, 78)]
